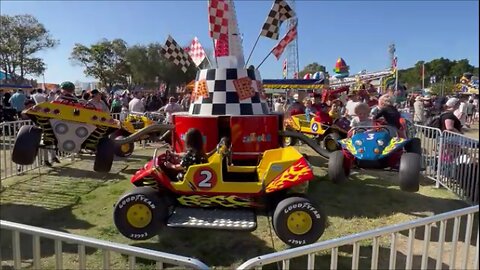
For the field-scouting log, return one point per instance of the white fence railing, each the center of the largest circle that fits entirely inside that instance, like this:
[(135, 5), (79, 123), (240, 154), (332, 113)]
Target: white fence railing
[(450, 252), (160, 259)]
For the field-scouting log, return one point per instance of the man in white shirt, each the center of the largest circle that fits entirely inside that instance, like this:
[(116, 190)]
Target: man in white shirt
[(461, 112), (39, 96), (170, 108), (278, 105), (136, 104), (350, 106)]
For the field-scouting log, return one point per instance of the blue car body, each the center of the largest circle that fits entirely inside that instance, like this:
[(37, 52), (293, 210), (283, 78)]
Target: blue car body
[(372, 145)]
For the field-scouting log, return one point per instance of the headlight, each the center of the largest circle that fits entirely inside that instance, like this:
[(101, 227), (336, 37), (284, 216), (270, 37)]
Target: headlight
[(381, 143), (358, 143)]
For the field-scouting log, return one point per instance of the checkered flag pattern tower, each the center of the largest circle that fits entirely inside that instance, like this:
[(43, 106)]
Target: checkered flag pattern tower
[(174, 53), (218, 18), (228, 91), (196, 52), (279, 13)]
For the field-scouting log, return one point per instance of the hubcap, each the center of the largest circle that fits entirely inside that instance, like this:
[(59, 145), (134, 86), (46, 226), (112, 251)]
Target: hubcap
[(288, 140), (139, 215), (125, 148), (299, 222), (331, 145)]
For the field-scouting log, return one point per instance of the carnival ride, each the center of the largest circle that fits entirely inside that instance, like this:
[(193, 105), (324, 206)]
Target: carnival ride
[(71, 127), (254, 172), (376, 148)]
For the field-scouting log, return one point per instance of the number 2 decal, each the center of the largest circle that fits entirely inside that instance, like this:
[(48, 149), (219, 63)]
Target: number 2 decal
[(205, 178), (205, 183)]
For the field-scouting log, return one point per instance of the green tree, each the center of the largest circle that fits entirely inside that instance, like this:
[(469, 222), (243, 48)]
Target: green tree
[(104, 61), (442, 88), (311, 68), (460, 67), (21, 37), (148, 67)]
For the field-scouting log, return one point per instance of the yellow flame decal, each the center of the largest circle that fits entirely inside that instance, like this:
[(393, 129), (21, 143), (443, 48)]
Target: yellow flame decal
[(392, 145), (297, 173)]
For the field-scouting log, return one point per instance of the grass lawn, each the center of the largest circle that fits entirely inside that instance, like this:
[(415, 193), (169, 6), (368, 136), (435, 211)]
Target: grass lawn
[(74, 199)]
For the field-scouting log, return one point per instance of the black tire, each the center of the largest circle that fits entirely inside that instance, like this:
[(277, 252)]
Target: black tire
[(330, 142), (104, 155), (414, 146), (409, 173), (123, 150), (337, 171), (146, 202), (303, 211), (25, 148)]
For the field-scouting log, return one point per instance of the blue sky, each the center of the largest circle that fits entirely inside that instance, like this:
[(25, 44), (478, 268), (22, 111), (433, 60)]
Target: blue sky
[(358, 31)]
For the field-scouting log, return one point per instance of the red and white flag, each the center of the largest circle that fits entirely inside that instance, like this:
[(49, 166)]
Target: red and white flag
[(222, 47), (285, 68), (289, 37), (394, 63), (196, 52), (218, 18)]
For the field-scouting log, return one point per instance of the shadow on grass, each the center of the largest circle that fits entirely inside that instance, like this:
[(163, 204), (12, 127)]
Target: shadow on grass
[(344, 260), (212, 247), (83, 173), (59, 219), (374, 197)]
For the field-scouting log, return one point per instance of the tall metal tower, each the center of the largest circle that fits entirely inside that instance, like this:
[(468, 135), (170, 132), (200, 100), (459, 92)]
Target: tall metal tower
[(292, 48), (391, 53)]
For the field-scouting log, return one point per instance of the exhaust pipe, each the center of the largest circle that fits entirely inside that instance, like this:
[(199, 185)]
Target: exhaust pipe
[(156, 128)]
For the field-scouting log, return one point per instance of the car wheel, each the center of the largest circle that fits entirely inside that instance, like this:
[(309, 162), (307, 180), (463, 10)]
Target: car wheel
[(338, 170), (104, 155), (330, 142), (123, 150), (25, 148), (409, 173), (298, 222), (140, 213)]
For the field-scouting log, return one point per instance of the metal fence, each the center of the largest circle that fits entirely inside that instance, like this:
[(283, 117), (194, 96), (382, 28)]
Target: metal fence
[(38, 235), (449, 247), (458, 168)]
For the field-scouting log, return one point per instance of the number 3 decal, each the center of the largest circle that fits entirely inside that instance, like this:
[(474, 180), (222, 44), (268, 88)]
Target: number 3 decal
[(205, 178)]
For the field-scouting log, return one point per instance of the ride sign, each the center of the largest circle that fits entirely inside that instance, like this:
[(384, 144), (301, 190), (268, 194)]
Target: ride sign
[(205, 178)]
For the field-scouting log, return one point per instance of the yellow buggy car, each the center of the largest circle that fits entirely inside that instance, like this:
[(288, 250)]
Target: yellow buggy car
[(132, 123), (220, 195), (325, 135)]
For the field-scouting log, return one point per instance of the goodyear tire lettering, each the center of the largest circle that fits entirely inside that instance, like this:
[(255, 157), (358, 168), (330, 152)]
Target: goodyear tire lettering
[(135, 198)]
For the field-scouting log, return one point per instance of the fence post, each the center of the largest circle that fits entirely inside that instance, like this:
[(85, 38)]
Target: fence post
[(439, 163)]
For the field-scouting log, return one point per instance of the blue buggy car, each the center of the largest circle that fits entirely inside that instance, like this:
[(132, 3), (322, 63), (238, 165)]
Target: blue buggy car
[(376, 148)]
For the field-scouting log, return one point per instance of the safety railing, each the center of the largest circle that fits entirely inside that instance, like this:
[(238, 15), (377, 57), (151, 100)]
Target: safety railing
[(450, 246), (38, 235), (459, 170), (7, 166), (431, 139)]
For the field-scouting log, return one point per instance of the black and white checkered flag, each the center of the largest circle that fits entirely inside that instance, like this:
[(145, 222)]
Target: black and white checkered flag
[(279, 13), (173, 52)]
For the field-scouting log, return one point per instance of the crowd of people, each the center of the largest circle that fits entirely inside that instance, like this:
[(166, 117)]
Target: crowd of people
[(456, 113), (14, 102)]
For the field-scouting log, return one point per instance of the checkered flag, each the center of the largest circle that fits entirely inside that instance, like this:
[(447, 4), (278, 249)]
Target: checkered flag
[(279, 13), (218, 18), (196, 51), (174, 53), (289, 37)]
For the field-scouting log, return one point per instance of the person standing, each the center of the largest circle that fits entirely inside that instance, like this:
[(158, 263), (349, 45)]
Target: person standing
[(170, 108), (97, 101), (18, 101), (461, 112), (136, 104), (418, 111), (39, 96)]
